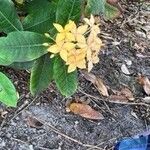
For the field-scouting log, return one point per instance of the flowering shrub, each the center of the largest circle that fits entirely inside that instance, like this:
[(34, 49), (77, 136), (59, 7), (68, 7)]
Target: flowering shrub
[(51, 40), (76, 45)]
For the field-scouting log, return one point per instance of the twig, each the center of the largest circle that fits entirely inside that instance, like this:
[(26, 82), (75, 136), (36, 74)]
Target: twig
[(103, 143), (123, 103), (23, 109), (18, 140), (66, 136)]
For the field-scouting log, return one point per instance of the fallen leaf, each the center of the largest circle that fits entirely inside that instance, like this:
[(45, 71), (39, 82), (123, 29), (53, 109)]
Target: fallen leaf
[(101, 87), (127, 93), (89, 76), (85, 111), (33, 122), (122, 96), (144, 81), (97, 82), (125, 70), (112, 1), (118, 99)]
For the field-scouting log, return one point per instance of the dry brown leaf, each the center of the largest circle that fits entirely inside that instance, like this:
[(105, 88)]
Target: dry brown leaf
[(33, 122), (127, 93), (118, 99), (97, 82), (122, 96), (112, 1), (85, 111), (101, 87), (144, 81), (89, 76)]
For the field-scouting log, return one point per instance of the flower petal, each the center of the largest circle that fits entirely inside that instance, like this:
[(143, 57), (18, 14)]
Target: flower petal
[(82, 29), (90, 66), (71, 68), (60, 37), (69, 46), (53, 49), (81, 39), (58, 27), (70, 37), (70, 26), (64, 54), (81, 64)]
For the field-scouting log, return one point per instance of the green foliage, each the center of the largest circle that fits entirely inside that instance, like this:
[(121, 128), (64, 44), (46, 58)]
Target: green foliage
[(41, 15), (66, 82), (41, 74), (9, 20), (22, 65), (95, 6), (8, 94), (23, 47), (68, 9)]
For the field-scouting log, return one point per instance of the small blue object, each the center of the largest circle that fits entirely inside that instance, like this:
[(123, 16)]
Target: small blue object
[(139, 143)]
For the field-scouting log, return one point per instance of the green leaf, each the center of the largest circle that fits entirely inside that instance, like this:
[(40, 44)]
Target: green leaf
[(111, 12), (8, 94), (41, 16), (21, 47), (9, 20), (22, 65), (41, 74), (68, 9), (65, 82), (95, 7)]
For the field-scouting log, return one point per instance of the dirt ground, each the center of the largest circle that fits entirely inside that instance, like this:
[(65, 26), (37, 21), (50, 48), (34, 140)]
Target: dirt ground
[(42, 123)]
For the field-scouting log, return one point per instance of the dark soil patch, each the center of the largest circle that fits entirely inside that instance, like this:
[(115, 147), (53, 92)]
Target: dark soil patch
[(125, 39)]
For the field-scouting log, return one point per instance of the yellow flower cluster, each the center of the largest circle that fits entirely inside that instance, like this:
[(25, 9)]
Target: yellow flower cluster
[(77, 46)]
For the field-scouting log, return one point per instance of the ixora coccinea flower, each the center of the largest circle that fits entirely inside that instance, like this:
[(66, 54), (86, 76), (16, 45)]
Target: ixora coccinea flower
[(77, 46)]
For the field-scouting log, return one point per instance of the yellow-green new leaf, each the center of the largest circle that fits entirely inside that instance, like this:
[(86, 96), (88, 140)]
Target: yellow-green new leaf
[(8, 94)]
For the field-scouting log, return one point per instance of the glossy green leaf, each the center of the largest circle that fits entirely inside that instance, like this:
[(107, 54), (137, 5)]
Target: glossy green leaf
[(41, 16), (21, 47), (8, 94), (22, 65), (68, 9), (9, 20), (41, 74), (95, 7), (65, 82)]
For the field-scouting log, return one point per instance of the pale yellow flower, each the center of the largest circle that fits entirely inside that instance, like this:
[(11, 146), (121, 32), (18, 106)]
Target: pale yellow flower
[(64, 33), (94, 27), (74, 46), (94, 45), (76, 59), (78, 33), (61, 47)]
